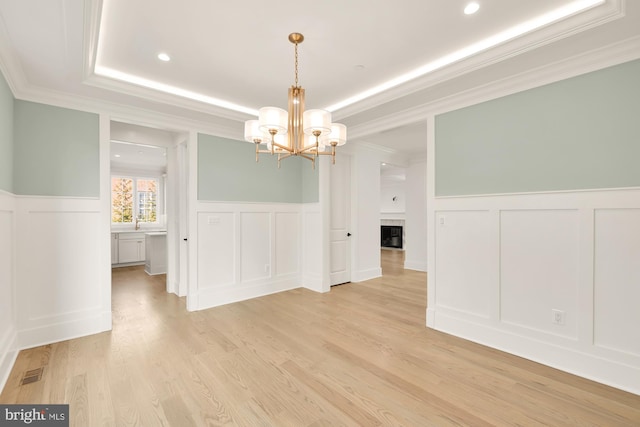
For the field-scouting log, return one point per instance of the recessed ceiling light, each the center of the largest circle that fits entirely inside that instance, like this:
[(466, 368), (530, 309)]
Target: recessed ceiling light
[(359, 67), (140, 152), (164, 57), (384, 164), (116, 155), (471, 8)]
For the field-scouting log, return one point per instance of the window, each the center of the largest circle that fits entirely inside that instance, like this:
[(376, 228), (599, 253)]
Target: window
[(133, 198)]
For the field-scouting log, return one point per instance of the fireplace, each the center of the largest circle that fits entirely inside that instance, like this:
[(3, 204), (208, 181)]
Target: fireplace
[(391, 236)]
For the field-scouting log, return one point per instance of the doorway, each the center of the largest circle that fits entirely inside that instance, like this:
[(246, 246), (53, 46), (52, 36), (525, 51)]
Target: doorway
[(145, 169)]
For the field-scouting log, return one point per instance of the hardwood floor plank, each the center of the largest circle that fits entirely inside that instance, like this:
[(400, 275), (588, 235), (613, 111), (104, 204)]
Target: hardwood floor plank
[(359, 355)]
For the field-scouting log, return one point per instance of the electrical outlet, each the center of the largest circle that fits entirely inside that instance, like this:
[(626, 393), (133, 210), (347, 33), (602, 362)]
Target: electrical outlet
[(558, 316), (441, 219), (266, 268)]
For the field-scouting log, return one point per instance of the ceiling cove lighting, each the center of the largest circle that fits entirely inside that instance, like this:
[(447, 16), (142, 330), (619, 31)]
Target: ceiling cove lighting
[(555, 15), (295, 132)]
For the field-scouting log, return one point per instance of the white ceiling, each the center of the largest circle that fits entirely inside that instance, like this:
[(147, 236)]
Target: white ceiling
[(134, 158), (238, 52)]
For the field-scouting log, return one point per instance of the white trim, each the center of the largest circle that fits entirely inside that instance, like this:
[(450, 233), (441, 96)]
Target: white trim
[(617, 53), (364, 275), (8, 337), (575, 350), (530, 193), (230, 294), (609, 11), (193, 302), (62, 331), (590, 366), (415, 265), (8, 355)]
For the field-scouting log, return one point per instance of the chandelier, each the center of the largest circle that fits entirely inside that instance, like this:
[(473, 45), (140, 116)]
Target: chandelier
[(295, 132)]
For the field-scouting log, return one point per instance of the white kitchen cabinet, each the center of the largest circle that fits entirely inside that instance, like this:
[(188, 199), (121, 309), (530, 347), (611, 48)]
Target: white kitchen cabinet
[(156, 249), (131, 247)]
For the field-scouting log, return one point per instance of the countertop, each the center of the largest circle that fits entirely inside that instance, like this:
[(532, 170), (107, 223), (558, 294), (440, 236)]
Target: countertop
[(143, 231)]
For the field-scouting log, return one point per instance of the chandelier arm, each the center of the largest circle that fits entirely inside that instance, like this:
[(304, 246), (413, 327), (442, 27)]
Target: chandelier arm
[(282, 147), (306, 157), (308, 148)]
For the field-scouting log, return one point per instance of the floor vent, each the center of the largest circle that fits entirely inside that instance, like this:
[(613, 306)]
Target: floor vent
[(32, 376)]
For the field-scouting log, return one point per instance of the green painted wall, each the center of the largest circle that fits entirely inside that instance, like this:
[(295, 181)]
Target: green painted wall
[(56, 151), (311, 181), (227, 171), (579, 133), (6, 136)]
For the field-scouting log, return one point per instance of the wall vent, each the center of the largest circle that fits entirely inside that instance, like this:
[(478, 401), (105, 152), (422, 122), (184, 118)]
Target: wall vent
[(32, 376)]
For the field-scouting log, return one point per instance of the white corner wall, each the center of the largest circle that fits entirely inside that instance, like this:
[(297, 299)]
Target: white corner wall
[(8, 329), (416, 217), (365, 212), (391, 191), (312, 248), (504, 263)]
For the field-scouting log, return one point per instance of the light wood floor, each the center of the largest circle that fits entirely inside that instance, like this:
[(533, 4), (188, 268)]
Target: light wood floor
[(357, 356)]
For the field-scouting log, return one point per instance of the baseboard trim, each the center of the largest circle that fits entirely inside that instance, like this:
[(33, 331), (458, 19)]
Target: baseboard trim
[(8, 356), (363, 275), (64, 331), (313, 283), (415, 265), (210, 298), (606, 371)]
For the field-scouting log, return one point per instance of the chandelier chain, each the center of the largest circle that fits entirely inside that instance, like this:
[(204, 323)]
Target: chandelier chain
[(296, 63)]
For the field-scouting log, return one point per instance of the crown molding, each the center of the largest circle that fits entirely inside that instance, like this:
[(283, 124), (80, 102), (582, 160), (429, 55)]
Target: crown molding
[(92, 21), (114, 85), (92, 16), (607, 56), (9, 64), (127, 113), (596, 16)]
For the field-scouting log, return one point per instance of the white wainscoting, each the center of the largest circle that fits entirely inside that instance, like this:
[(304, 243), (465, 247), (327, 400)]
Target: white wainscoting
[(8, 328), (61, 294), (246, 250), (504, 263)]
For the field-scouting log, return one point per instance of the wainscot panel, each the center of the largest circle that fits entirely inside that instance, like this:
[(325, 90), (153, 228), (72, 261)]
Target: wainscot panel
[(466, 256), (216, 249), (560, 271), (529, 294), (58, 268), (238, 256), (287, 243), (617, 279)]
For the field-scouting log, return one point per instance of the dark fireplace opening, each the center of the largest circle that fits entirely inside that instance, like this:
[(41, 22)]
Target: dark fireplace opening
[(391, 236)]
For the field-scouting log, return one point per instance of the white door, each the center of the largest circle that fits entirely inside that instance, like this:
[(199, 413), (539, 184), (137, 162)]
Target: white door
[(340, 221), (183, 198)]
